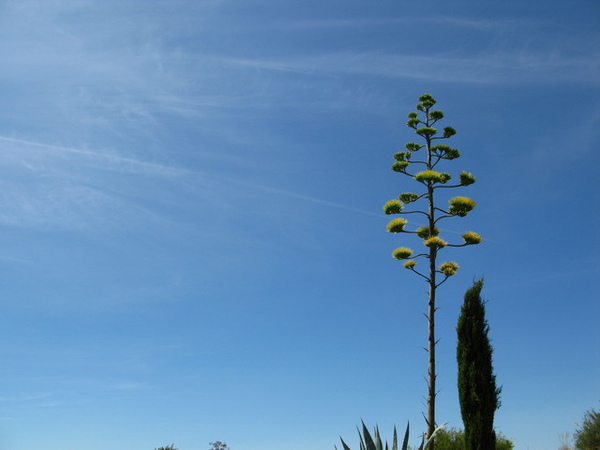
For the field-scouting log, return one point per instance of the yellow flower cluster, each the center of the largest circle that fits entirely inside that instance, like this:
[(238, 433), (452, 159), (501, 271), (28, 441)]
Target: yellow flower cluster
[(435, 242), (396, 225), (410, 264), (449, 268), (471, 238), (402, 253)]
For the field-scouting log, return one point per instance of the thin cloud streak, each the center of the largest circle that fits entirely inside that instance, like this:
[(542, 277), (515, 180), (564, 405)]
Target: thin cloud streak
[(115, 162), (492, 25), (500, 68), (306, 198), (71, 201)]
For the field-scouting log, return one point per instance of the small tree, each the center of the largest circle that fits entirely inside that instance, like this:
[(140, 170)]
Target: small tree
[(587, 436), (218, 445), (479, 397), (453, 439), (431, 183), (168, 447)]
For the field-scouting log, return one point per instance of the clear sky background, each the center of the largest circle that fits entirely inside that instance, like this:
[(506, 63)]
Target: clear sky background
[(192, 244)]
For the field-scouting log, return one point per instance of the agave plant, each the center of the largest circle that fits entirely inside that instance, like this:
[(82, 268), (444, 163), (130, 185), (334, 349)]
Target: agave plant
[(374, 442)]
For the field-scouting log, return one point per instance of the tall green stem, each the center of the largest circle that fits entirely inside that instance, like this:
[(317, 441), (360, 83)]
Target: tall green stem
[(431, 392)]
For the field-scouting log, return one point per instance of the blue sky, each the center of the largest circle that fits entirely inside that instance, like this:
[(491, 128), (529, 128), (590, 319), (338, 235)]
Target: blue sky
[(192, 243)]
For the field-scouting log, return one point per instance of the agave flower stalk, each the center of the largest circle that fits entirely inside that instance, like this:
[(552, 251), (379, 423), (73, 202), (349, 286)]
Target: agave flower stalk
[(430, 179)]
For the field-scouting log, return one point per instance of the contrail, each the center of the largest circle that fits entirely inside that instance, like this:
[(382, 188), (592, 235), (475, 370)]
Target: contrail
[(109, 158), (114, 159)]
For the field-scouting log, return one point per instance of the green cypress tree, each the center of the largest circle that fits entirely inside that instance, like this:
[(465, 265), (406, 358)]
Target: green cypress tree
[(478, 395)]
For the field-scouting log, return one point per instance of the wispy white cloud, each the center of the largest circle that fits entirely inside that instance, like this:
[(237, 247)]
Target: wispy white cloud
[(81, 74), (53, 186), (516, 50), (457, 22), (302, 197), (108, 161), (520, 66), (26, 397)]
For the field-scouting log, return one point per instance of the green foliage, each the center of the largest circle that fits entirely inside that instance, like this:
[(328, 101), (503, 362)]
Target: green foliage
[(503, 443), (168, 447), (450, 439), (218, 445), (453, 439), (587, 436), (478, 395)]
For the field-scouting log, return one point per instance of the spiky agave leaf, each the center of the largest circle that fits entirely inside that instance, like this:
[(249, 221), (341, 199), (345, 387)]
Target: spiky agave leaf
[(378, 443), (405, 441), (432, 437), (368, 442), (368, 439), (343, 445)]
